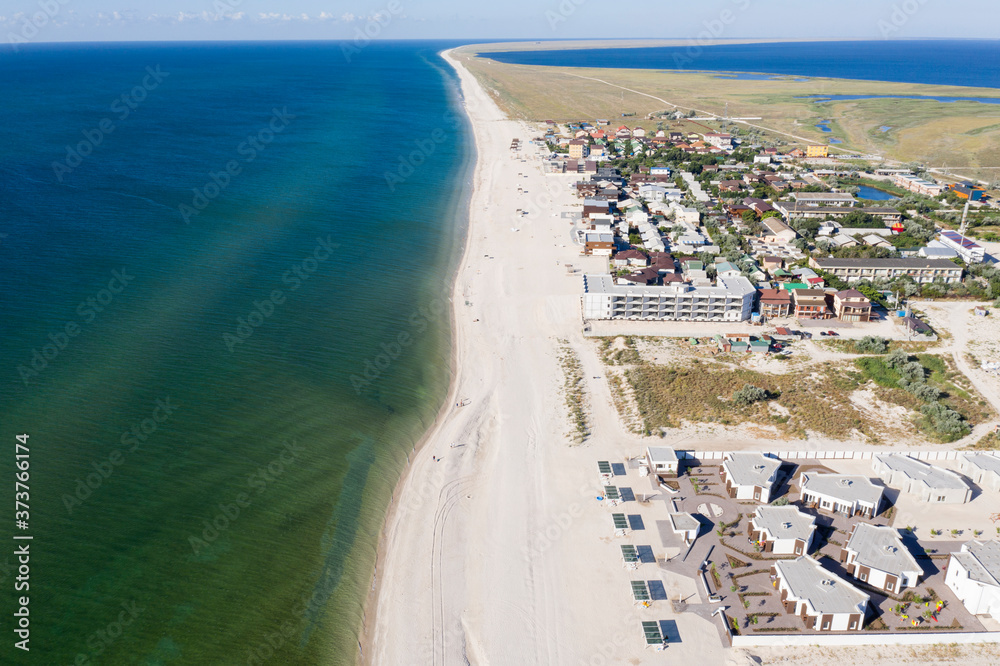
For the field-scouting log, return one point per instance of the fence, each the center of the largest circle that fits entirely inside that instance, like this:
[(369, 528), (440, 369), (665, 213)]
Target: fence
[(928, 456), (865, 638)]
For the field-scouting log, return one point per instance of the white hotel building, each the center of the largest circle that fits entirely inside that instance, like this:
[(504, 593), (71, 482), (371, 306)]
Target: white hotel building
[(730, 300)]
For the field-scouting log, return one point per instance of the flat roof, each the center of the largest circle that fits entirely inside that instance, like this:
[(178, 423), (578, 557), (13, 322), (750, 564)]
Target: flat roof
[(784, 522), (750, 469), (913, 262), (881, 548), (825, 592), (847, 487), (984, 461), (982, 559), (823, 196), (727, 286), (684, 522), (662, 454), (918, 470)]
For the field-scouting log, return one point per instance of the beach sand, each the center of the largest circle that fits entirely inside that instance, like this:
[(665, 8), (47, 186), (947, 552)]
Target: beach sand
[(496, 550)]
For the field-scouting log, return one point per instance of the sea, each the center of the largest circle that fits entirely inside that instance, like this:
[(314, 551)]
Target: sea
[(943, 62), (224, 274)]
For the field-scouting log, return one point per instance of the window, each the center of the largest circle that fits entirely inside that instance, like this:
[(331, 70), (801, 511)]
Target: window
[(889, 586), (863, 576), (854, 624), (940, 498), (826, 625)]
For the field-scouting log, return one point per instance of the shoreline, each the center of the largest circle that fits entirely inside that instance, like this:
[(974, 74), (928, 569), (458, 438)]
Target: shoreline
[(370, 606)]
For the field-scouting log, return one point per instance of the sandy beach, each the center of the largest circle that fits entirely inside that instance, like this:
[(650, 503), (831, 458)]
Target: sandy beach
[(496, 550)]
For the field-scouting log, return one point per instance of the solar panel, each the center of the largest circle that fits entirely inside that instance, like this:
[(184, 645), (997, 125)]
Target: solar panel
[(620, 522), (604, 467), (652, 632), (639, 590), (611, 493), (629, 553)]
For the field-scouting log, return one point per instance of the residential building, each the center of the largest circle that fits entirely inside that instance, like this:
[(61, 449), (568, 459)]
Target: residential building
[(598, 244), (930, 483), (723, 141), (852, 495), (824, 198), (810, 304), (876, 556), (776, 231), (852, 305), (971, 252), (630, 257), (727, 269), (974, 576), (920, 270), (937, 250), (731, 186), (579, 149), (730, 300), (790, 210), (775, 303), (823, 601), (749, 475), (646, 276), (662, 460), (817, 151), (782, 530), (982, 468), (918, 185)]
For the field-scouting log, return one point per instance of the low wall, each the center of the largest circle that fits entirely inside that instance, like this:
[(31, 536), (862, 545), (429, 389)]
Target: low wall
[(786, 639), (868, 454)]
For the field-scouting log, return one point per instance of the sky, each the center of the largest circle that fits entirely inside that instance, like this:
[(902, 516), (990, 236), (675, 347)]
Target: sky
[(474, 20)]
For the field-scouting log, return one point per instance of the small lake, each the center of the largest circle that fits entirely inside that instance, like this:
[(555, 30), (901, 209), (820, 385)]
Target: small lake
[(871, 194), (823, 127), (850, 98)]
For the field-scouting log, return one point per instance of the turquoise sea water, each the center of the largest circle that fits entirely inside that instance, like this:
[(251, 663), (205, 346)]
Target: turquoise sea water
[(224, 328)]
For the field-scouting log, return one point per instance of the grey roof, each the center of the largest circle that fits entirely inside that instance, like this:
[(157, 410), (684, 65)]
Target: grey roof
[(982, 559), (881, 548), (918, 470), (662, 454), (734, 287), (750, 469), (826, 593), (847, 487), (913, 262), (599, 238), (683, 522), (824, 196), (784, 522), (984, 461)]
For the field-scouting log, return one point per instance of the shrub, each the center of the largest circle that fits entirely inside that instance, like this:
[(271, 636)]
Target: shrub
[(897, 359), (871, 344), (912, 371), (749, 394), (781, 501), (945, 421)]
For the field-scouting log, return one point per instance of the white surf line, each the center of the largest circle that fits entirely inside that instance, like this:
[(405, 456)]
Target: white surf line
[(708, 113)]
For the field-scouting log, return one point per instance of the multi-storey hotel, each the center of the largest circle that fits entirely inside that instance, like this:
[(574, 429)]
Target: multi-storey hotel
[(730, 300), (920, 270)]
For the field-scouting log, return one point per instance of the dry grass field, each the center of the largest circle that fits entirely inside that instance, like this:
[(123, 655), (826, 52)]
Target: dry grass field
[(958, 134)]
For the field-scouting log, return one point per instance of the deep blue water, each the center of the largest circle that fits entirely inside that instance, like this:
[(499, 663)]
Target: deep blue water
[(871, 194), (944, 62), (928, 98), (219, 407)]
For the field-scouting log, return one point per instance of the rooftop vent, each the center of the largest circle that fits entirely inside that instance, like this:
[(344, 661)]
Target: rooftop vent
[(827, 581), (846, 482), (890, 549), (787, 526)]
